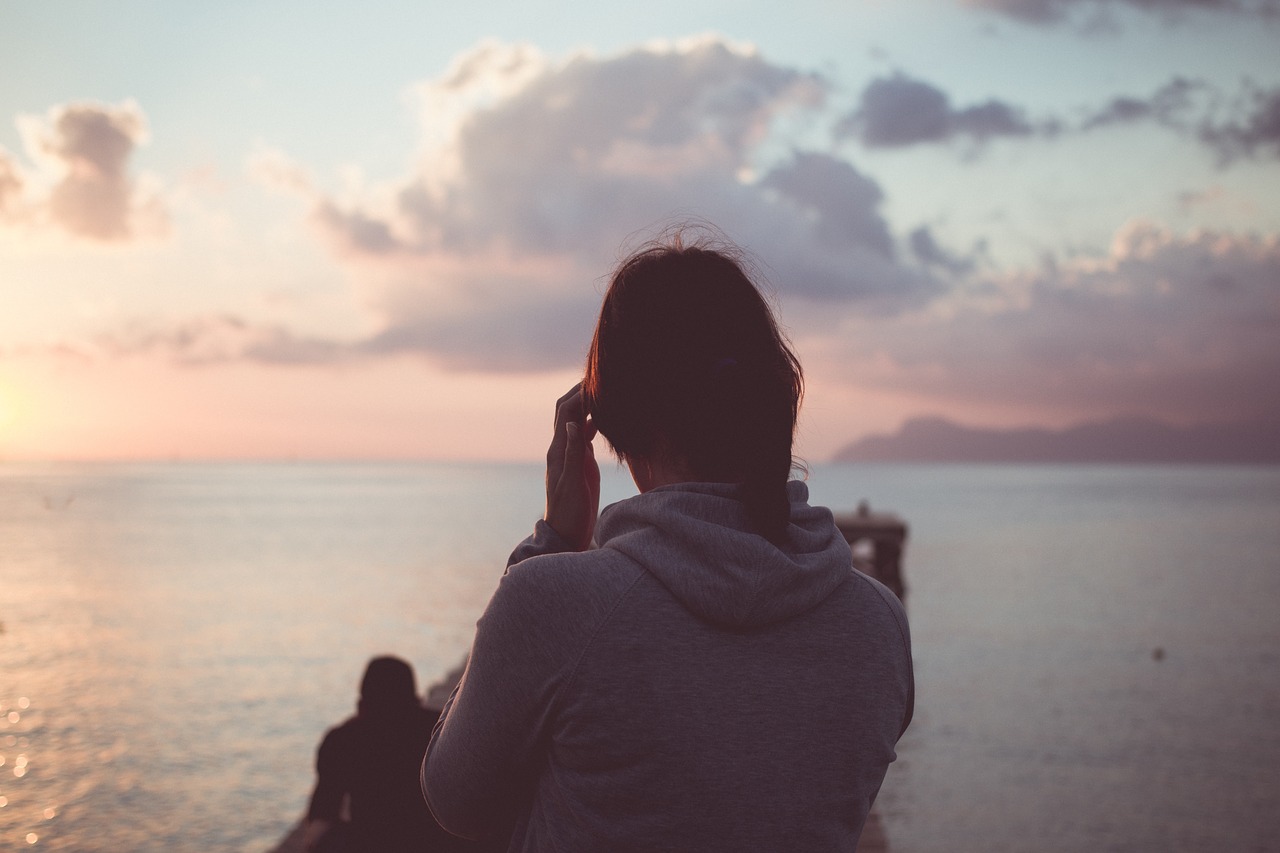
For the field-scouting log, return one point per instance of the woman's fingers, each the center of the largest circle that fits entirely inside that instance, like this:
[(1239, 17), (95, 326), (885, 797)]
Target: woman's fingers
[(572, 397), (568, 410), (573, 476)]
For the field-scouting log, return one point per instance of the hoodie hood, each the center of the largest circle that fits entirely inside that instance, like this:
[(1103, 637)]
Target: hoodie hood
[(697, 540)]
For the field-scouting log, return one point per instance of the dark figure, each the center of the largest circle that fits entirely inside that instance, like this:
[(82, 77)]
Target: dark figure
[(371, 761), (699, 667)]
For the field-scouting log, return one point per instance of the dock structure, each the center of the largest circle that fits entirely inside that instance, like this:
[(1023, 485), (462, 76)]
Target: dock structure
[(886, 533)]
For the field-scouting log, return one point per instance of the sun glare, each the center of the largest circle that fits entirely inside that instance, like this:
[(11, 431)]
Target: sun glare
[(8, 408)]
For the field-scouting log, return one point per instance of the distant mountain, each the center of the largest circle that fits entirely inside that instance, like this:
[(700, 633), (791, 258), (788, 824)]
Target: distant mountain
[(1125, 440)]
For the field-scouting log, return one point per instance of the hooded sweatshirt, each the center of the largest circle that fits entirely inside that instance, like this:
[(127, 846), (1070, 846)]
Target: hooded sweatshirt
[(683, 685)]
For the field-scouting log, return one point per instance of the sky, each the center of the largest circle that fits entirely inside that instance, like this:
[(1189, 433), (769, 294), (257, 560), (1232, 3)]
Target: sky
[(382, 230)]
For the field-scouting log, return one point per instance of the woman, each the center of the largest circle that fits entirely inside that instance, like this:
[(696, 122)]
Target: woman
[(701, 669), (367, 768)]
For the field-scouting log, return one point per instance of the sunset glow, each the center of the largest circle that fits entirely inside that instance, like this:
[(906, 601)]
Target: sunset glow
[(384, 231), (8, 408)]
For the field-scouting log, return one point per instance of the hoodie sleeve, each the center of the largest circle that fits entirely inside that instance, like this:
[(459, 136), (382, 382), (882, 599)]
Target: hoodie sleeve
[(490, 745), (483, 750), (543, 540)]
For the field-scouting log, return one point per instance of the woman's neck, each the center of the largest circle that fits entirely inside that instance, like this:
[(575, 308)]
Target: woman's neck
[(650, 472)]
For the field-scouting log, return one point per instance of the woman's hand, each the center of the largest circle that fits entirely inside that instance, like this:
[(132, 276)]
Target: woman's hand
[(573, 477)]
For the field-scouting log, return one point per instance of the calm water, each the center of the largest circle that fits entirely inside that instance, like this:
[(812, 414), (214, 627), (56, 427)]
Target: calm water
[(176, 638)]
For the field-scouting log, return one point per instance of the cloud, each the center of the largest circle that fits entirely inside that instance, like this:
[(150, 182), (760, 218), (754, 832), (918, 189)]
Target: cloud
[(490, 254), (1243, 125), (899, 110), (927, 250), (273, 168), (11, 185), (1169, 105), (510, 336), (1179, 327), (214, 339), (82, 153), (562, 154), (1216, 197), (1053, 11), (355, 232), (1253, 133)]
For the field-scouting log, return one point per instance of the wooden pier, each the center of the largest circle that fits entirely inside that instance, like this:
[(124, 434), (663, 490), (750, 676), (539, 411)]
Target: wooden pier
[(886, 534)]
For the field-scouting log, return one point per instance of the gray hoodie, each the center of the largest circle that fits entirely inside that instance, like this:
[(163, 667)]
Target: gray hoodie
[(683, 685)]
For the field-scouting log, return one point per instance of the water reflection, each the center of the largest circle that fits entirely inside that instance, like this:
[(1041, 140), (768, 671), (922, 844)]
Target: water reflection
[(23, 806), (184, 631), (241, 564)]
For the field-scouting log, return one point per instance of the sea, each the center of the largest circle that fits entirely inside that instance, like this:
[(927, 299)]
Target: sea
[(1097, 648)]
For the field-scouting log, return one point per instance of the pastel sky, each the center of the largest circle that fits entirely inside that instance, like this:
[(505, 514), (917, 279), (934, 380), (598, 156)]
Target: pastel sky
[(378, 230)]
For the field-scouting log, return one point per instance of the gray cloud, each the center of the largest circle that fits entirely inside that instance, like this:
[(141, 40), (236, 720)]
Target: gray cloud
[(1053, 11), (899, 110), (842, 202), (593, 145), (1254, 132), (928, 252), (498, 245), (1185, 328), (355, 231), (86, 148), (1245, 125), (1169, 105)]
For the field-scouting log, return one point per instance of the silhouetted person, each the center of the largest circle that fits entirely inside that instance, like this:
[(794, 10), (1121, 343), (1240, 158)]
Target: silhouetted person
[(699, 667), (371, 762)]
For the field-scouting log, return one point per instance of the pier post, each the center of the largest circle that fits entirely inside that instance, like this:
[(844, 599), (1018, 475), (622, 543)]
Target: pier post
[(887, 535)]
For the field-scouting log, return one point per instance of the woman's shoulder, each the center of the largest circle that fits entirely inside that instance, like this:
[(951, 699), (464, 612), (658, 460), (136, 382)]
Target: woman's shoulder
[(551, 605), (563, 593), (597, 570)]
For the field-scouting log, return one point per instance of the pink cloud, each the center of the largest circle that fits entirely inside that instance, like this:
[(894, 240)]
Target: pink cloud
[(216, 339), (82, 152), (11, 185), (1179, 327)]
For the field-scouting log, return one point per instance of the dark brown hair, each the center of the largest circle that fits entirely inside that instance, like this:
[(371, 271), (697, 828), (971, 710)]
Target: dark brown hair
[(387, 688), (688, 362)]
